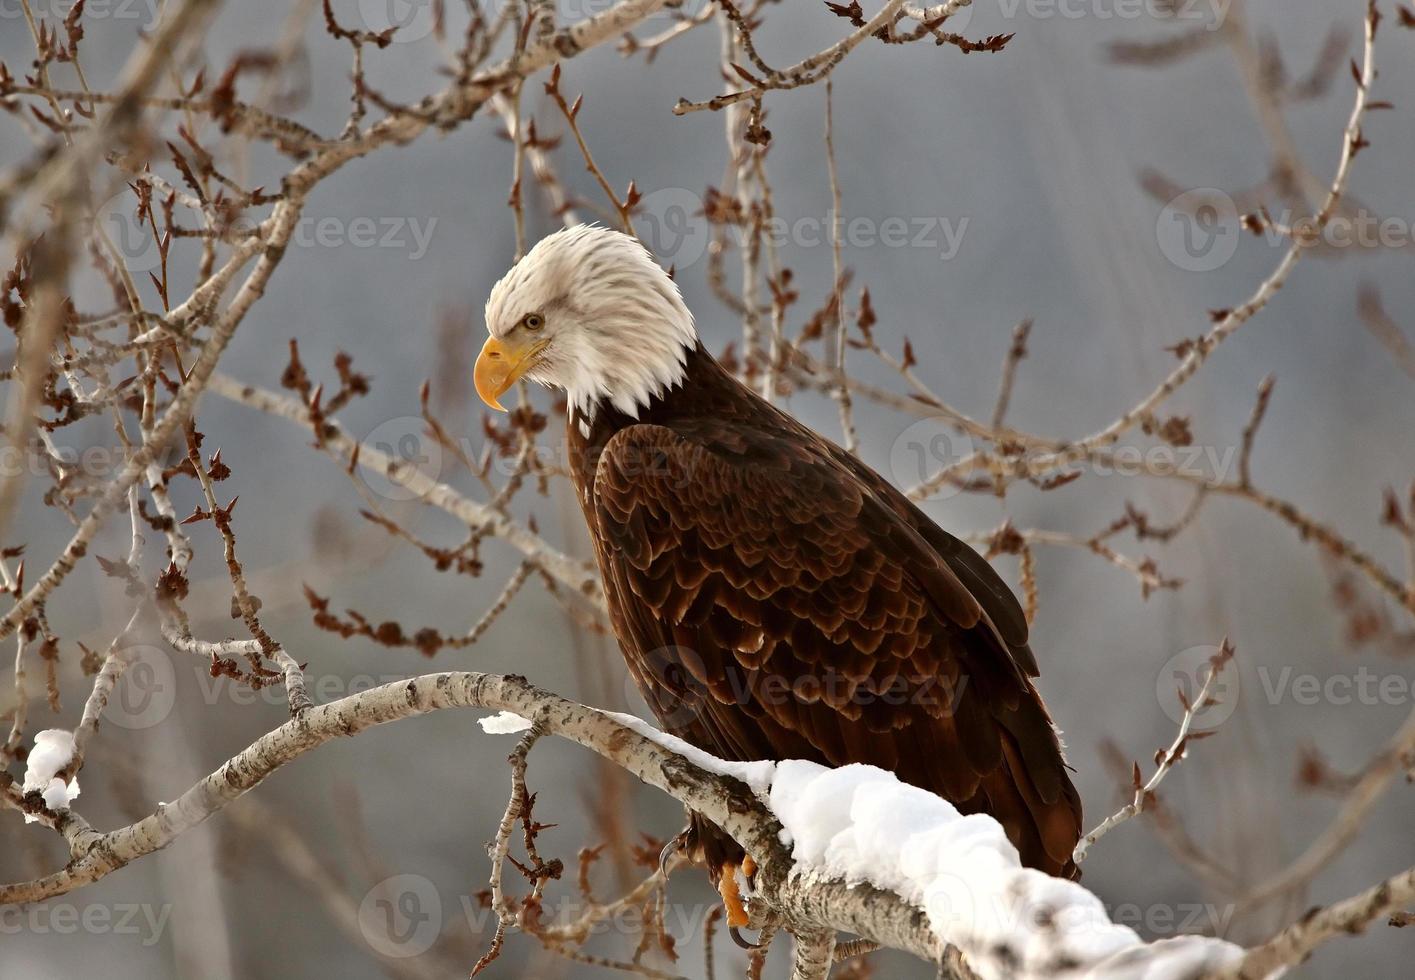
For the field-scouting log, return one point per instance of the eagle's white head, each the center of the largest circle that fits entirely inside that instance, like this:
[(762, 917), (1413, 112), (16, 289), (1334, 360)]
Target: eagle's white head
[(589, 311)]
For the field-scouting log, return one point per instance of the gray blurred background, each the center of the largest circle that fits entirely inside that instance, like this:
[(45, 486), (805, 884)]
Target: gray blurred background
[(1035, 154)]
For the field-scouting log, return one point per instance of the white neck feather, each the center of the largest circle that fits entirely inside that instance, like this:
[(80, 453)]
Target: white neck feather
[(628, 384), (634, 330)]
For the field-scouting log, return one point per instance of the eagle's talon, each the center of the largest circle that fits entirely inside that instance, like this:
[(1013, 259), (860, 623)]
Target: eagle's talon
[(743, 943), (673, 847), (749, 871)]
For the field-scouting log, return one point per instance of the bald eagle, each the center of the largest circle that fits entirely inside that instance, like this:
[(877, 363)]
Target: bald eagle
[(773, 596)]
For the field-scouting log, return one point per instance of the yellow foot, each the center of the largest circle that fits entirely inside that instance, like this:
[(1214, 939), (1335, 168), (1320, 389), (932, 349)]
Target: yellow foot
[(732, 895), (749, 867)]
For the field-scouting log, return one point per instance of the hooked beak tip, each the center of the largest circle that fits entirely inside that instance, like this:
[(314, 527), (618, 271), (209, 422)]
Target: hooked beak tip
[(498, 367)]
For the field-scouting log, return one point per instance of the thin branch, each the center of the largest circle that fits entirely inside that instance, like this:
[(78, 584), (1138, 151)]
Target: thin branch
[(1015, 353), (578, 575), (501, 843), (842, 389), (805, 72), (1348, 917), (1166, 759)]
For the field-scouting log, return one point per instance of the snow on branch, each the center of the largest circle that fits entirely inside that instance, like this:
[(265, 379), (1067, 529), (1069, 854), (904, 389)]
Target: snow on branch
[(860, 824), (52, 755)]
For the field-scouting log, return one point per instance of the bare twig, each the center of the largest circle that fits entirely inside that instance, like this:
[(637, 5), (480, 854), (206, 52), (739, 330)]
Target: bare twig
[(1165, 760)]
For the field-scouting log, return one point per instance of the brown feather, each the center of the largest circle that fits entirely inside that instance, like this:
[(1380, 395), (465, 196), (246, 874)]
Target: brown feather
[(775, 598)]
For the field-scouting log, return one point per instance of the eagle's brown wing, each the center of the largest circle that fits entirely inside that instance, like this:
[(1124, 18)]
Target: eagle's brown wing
[(774, 602)]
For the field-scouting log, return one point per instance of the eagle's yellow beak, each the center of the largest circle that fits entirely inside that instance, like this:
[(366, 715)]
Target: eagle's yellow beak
[(500, 365)]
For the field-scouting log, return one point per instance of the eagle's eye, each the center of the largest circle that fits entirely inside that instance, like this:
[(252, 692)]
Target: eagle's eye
[(533, 321)]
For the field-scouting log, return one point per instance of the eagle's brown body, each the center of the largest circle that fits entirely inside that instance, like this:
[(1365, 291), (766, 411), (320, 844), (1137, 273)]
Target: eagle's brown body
[(777, 599)]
